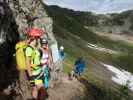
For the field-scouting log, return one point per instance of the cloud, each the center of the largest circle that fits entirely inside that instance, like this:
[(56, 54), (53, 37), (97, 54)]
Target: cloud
[(98, 6)]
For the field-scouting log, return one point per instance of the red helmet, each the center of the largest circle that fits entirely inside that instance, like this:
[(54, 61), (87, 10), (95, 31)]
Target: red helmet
[(34, 32)]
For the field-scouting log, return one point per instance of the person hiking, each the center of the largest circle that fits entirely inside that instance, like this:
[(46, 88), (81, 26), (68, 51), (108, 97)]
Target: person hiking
[(61, 53), (79, 66), (34, 70), (22, 69), (46, 61), (61, 58)]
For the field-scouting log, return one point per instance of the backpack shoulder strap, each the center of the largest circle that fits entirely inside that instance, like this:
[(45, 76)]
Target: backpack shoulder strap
[(28, 47), (41, 52)]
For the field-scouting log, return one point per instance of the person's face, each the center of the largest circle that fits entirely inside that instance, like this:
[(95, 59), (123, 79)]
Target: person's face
[(44, 46), (34, 42)]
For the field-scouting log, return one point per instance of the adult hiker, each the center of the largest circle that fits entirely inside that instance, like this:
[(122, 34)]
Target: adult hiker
[(61, 58), (61, 53), (46, 61), (22, 68), (79, 66), (34, 70)]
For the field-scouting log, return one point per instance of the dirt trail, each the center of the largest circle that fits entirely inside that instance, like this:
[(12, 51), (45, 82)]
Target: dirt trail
[(80, 89), (66, 89)]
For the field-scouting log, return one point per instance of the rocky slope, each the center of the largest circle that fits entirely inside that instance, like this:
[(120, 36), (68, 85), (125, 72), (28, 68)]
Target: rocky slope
[(8, 38), (15, 16)]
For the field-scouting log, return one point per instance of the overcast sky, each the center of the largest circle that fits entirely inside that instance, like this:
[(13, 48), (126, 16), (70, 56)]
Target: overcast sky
[(98, 6)]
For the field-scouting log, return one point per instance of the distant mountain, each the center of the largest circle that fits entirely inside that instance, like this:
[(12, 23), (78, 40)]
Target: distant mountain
[(109, 23)]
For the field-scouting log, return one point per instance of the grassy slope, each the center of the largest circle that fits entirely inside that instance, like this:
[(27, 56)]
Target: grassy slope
[(94, 83), (70, 33), (66, 27), (66, 21)]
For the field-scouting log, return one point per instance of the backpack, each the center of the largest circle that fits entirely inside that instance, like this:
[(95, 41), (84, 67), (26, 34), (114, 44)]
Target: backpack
[(20, 55)]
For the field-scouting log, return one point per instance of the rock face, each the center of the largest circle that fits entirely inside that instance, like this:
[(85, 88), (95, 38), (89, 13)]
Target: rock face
[(31, 12), (8, 38), (36, 16), (15, 16)]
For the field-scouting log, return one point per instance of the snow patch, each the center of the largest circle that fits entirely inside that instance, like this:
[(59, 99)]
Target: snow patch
[(121, 77), (93, 46)]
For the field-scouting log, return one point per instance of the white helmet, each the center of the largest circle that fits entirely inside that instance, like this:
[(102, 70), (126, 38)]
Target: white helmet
[(44, 41), (61, 48)]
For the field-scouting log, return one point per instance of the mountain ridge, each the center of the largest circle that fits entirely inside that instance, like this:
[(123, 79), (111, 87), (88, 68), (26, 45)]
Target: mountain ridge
[(110, 23)]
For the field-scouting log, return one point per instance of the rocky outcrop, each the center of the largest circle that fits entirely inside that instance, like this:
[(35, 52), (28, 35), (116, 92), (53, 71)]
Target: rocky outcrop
[(15, 16), (34, 14), (8, 38)]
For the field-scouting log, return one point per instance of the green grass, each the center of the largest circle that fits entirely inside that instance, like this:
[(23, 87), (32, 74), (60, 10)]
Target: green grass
[(73, 49), (64, 22), (94, 84), (124, 61), (68, 63), (67, 29), (77, 47)]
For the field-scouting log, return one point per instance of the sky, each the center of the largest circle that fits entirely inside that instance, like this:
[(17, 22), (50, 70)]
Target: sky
[(97, 6)]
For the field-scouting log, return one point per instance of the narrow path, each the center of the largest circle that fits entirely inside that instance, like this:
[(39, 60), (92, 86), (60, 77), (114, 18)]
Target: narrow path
[(66, 89)]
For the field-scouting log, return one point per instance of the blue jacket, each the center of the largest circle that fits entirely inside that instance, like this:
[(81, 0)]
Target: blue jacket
[(79, 66)]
